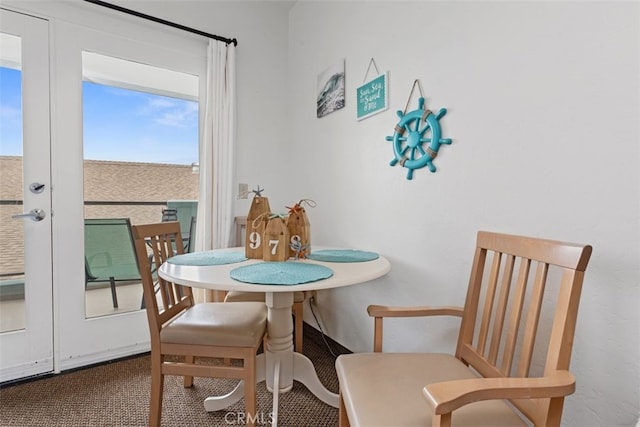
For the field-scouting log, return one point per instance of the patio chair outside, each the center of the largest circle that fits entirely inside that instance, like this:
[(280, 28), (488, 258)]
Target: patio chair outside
[(185, 211), (191, 244), (109, 253), (169, 215)]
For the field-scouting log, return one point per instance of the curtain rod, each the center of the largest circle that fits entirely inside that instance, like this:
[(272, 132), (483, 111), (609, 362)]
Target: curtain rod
[(162, 21)]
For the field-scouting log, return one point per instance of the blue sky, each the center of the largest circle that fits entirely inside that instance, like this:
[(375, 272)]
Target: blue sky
[(10, 113), (119, 124)]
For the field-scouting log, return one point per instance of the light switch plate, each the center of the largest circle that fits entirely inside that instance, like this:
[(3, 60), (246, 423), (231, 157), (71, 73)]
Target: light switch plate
[(243, 191)]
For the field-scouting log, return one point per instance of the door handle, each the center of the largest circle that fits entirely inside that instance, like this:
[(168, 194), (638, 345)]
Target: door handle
[(34, 214)]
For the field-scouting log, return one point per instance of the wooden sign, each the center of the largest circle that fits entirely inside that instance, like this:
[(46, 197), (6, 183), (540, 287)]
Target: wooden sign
[(256, 222), (275, 245), (299, 232), (372, 97)]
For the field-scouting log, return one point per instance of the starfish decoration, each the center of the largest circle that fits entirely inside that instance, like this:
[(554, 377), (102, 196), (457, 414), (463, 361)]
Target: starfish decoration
[(299, 249), (295, 208), (277, 215), (258, 191)]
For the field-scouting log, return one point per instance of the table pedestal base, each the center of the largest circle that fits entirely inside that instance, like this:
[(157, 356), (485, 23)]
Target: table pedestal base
[(279, 366), (303, 372)]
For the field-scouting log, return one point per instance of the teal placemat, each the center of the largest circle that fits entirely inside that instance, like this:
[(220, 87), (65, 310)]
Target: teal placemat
[(342, 255), (208, 258), (280, 273)]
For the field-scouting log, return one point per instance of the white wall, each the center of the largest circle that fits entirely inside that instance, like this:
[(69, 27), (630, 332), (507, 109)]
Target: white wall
[(543, 107)]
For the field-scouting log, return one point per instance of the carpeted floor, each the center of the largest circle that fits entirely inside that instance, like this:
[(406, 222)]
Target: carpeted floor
[(117, 394)]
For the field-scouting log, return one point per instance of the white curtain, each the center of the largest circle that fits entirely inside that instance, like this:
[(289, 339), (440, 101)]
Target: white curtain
[(217, 154)]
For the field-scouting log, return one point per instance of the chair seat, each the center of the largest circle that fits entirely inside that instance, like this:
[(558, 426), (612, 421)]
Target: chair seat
[(238, 324), (236, 296), (385, 389)]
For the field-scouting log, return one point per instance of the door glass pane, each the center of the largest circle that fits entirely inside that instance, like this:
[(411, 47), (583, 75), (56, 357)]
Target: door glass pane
[(140, 127), (12, 281)]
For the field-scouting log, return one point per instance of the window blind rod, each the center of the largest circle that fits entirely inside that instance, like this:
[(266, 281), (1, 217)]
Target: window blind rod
[(162, 21)]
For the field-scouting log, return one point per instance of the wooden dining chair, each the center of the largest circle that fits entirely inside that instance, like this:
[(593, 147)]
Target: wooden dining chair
[(521, 306), (182, 332)]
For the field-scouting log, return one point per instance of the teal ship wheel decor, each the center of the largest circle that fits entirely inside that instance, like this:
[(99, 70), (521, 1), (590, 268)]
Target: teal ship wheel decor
[(417, 138)]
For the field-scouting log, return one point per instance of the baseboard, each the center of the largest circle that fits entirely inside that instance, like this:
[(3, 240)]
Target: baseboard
[(32, 378)]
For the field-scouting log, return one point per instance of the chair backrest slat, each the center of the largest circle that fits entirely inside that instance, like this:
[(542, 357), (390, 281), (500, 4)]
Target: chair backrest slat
[(515, 317), (488, 303), (506, 323), (468, 323), (501, 309), (533, 319)]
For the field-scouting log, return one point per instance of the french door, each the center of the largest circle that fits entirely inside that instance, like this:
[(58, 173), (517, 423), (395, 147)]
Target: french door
[(57, 332), (26, 330), (125, 64)]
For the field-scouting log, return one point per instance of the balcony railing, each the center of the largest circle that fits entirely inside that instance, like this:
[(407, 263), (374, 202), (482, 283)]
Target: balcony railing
[(139, 212)]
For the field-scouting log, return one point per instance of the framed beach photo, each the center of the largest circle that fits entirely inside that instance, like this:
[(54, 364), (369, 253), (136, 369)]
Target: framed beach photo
[(331, 94)]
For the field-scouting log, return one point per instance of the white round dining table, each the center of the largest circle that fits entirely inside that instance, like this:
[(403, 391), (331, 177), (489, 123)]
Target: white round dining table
[(279, 365)]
